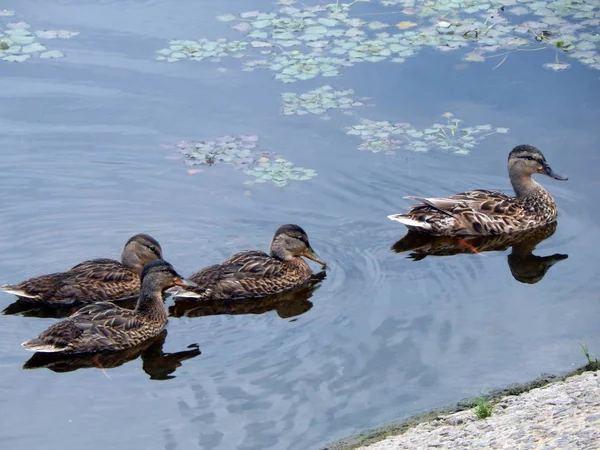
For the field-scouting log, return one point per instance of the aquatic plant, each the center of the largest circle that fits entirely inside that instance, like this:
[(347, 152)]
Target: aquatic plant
[(300, 41), (296, 66), (483, 407), (318, 101), (378, 136), (18, 43), (241, 152), (201, 49), (234, 150), (566, 25), (279, 172), (593, 362)]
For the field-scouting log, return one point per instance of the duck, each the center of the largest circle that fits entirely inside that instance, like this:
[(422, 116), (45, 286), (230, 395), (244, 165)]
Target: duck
[(155, 362), (92, 281), (104, 326), (256, 274), (486, 212)]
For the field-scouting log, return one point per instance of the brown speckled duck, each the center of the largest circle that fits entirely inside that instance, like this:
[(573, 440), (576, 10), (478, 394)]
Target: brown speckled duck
[(488, 213), (105, 326), (94, 280), (255, 274)]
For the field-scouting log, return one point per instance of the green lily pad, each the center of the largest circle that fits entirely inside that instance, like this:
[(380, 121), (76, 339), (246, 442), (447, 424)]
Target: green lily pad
[(17, 58), (52, 54), (226, 17), (33, 48), (383, 136)]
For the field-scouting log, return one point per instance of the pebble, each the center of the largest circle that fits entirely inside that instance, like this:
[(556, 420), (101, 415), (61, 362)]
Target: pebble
[(562, 415)]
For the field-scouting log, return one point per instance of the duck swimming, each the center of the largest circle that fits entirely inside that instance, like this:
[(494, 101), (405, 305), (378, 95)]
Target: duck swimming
[(255, 274), (105, 326), (94, 280), (488, 213)]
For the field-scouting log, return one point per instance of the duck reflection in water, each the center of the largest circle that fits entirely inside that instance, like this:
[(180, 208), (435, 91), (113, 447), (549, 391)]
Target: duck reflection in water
[(287, 305), (155, 362), (525, 267), (45, 311)]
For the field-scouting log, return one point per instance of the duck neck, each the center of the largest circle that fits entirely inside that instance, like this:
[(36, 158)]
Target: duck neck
[(525, 186), (131, 261), (280, 253), (150, 303)]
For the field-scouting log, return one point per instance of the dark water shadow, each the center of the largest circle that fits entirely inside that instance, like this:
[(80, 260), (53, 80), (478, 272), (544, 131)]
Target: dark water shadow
[(29, 309), (287, 304), (156, 363), (525, 267)]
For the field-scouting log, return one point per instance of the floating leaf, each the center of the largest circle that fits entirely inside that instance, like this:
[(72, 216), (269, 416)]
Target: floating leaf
[(406, 25), (261, 44), (54, 34), (22, 40), (33, 48), (18, 26), (242, 26), (52, 54), (249, 14), (386, 137), (377, 25), (557, 66), (261, 23), (474, 57), (226, 17), (17, 58)]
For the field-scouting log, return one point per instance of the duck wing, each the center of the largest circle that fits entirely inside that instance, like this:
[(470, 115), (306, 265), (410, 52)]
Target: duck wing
[(89, 281), (98, 280), (478, 212), (101, 326), (238, 276), (102, 269), (478, 201)]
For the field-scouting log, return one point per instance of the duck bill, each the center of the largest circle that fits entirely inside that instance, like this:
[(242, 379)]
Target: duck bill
[(179, 281), (547, 170), (310, 254)]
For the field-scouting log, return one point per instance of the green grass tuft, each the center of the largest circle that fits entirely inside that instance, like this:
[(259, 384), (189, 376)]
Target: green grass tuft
[(593, 362), (483, 407)]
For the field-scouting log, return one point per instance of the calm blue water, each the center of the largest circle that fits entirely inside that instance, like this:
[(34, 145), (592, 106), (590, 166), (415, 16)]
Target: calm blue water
[(85, 164)]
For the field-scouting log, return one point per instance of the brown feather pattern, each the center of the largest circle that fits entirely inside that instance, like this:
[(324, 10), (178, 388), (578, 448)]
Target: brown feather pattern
[(105, 326), (250, 274), (490, 213), (483, 212), (256, 274), (92, 281)]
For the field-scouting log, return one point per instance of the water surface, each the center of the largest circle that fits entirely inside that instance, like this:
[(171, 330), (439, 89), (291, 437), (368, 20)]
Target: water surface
[(88, 160)]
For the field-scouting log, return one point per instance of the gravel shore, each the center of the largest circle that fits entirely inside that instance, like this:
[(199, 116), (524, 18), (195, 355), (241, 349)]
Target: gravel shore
[(561, 415)]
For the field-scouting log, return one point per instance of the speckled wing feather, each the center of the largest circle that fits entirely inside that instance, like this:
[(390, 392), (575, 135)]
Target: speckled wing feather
[(101, 326), (88, 282), (103, 269), (478, 212), (248, 274)]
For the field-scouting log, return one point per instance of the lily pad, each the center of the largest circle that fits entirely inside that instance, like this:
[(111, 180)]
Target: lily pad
[(279, 172), (33, 48), (557, 66), (318, 101), (16, 58), (18, 42), (52, 54), (383, 136), (241, 152)]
